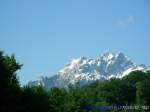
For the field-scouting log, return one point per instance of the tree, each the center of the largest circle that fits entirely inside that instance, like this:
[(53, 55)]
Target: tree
[(138, 93), (57, 98), (146, 91), (9, 85), (116, 92), (35, 99), (136, 76)]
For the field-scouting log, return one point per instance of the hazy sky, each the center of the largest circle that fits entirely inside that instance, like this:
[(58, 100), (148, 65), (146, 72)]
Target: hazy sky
[(45, 34)]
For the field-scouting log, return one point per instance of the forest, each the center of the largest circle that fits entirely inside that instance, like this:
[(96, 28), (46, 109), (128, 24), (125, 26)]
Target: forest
[(129, 94)]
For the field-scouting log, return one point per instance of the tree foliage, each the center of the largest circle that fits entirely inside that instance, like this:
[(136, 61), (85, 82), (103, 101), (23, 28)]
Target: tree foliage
[(131, 90)]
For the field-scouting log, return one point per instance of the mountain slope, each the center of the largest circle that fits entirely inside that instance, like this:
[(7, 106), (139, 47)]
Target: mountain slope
[(86, 70)]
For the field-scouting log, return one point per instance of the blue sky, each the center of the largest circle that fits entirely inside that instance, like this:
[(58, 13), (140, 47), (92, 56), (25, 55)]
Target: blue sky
[(45, 34)]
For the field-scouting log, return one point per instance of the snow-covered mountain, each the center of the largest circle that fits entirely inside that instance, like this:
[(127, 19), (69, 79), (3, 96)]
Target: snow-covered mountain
[(86, 70)]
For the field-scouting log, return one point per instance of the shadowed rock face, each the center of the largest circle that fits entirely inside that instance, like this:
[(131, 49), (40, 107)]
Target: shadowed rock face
[(86, 70)]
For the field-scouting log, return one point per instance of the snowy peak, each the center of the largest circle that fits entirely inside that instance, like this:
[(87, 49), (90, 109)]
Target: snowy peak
[(107, 56), (86, 70)]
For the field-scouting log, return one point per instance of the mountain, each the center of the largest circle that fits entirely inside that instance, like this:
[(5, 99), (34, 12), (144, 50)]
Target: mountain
[(86, 70)]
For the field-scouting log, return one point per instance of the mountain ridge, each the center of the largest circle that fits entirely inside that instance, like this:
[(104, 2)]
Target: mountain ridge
[(85, 70)]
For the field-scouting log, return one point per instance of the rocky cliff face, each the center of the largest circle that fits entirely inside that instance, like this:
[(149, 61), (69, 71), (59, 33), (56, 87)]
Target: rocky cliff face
[(86, 70)]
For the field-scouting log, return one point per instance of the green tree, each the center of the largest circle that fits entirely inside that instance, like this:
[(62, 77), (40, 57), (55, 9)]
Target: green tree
[(35, 99), (138, 93), (9, 85), (136, 76), (116, 92), (57, 97), (146, 91)]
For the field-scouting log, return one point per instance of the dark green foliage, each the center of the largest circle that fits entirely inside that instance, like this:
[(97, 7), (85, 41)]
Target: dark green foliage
[(138, 93), (35, 99), (146, 91), (136, 76), (9, 85), (117, 92), (133, 89), (57, 98)]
